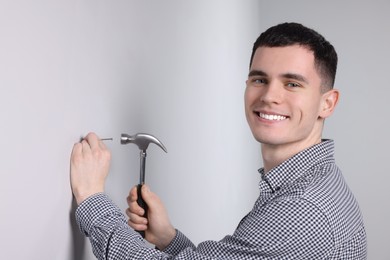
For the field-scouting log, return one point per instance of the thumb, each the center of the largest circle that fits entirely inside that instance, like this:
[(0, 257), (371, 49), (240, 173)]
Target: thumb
[(145, 191), (149, 197)]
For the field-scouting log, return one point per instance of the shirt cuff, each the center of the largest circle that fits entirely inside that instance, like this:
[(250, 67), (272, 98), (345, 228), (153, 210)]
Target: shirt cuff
[(93, 208), (179, 243)]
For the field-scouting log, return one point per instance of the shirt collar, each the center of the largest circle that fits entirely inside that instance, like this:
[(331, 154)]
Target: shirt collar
[(294, 167)]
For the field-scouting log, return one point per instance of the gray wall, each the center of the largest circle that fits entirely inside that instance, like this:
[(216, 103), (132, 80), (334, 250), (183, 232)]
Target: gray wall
[(176, 70), (360, 33)]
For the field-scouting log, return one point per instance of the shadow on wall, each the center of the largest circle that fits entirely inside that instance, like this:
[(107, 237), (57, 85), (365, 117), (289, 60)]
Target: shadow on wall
[(78, 240)]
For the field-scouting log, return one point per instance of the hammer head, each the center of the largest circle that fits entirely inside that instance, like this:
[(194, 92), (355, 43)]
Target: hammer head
[(142, 140)]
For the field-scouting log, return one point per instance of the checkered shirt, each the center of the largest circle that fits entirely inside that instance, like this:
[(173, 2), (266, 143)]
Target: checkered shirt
[(304, 211)]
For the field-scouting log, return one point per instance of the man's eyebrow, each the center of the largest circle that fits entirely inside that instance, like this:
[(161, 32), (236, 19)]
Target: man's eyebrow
[(257, 73), (295, 77)]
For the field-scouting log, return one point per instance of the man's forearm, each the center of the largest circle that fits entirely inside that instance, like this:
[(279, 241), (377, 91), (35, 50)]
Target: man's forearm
[(110, 236)]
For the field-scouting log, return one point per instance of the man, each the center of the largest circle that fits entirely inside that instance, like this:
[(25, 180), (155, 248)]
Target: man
[(305, 209)]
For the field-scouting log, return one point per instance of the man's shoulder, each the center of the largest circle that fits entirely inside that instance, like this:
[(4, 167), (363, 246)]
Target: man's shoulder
[(330, 193)]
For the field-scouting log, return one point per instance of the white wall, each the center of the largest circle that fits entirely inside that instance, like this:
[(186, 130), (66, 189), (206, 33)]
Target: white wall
[(194, 82), (175, 70)]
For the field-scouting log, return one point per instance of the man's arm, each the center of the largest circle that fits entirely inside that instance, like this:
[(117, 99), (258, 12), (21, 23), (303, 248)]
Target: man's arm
[(90, 162), (283, 229), (110, 236), (102, 221)]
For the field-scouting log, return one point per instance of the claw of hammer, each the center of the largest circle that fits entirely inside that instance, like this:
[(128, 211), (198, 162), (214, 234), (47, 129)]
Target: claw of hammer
[(142, 140)]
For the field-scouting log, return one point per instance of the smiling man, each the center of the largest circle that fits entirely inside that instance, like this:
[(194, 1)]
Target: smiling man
[(286, 101), (305, 210)]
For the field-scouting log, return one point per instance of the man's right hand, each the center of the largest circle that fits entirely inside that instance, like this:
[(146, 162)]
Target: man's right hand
[(158, 229)]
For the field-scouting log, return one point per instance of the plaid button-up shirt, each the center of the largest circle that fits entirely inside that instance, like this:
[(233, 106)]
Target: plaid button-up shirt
[(305, 210)]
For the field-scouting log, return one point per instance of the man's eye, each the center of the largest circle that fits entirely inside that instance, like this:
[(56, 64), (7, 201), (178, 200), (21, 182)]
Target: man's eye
[(293, 84), (259, 81)]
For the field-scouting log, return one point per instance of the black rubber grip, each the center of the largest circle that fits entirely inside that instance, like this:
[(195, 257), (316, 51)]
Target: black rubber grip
[(143, 205)]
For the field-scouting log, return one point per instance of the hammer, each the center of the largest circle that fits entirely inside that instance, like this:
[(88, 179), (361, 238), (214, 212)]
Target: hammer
[(142, 141)]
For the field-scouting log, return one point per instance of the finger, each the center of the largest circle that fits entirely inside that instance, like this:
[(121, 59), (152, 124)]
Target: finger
[(93, 140), (135, 208), (136, 222), (77, 149), (85, 147), (102, 145), (76, 152), (133, 196), (135, 218), (132, 202), (148, 195), (138, 227)]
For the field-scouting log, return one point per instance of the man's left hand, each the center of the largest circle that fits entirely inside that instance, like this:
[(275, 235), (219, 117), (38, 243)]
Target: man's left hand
[(89, 166)]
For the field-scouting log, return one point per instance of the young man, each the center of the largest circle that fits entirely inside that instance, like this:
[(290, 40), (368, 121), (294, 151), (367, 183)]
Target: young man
[(305, 209)]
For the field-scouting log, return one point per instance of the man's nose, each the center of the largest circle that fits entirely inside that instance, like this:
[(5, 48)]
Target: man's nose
[(272, 93)]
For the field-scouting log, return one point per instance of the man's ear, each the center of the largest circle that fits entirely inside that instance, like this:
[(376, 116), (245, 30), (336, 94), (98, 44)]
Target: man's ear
[(328, 103)]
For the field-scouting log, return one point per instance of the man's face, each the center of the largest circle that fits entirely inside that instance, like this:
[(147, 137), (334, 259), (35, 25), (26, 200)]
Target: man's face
[(284, 105)]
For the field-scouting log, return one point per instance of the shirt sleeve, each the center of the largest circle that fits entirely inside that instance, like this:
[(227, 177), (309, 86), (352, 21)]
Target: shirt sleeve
[(178, 244), (111, 238), (284, 230)]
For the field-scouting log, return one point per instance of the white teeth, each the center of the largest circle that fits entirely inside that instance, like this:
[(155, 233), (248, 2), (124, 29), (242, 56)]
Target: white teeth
[(272, 117)]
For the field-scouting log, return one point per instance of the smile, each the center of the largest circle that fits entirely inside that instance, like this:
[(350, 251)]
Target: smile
[(271, 117)]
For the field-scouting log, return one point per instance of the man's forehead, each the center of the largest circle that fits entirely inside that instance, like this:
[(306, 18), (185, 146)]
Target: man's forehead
[(299, 50)]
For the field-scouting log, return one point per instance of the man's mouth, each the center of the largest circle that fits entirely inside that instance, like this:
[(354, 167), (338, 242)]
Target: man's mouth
[(271, 117)]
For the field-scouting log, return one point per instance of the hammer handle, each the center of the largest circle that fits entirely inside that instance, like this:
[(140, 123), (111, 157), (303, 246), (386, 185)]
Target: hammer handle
[(143, 205)]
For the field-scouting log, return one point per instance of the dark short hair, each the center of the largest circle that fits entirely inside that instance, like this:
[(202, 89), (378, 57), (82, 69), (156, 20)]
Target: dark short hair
[(287, 34)]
